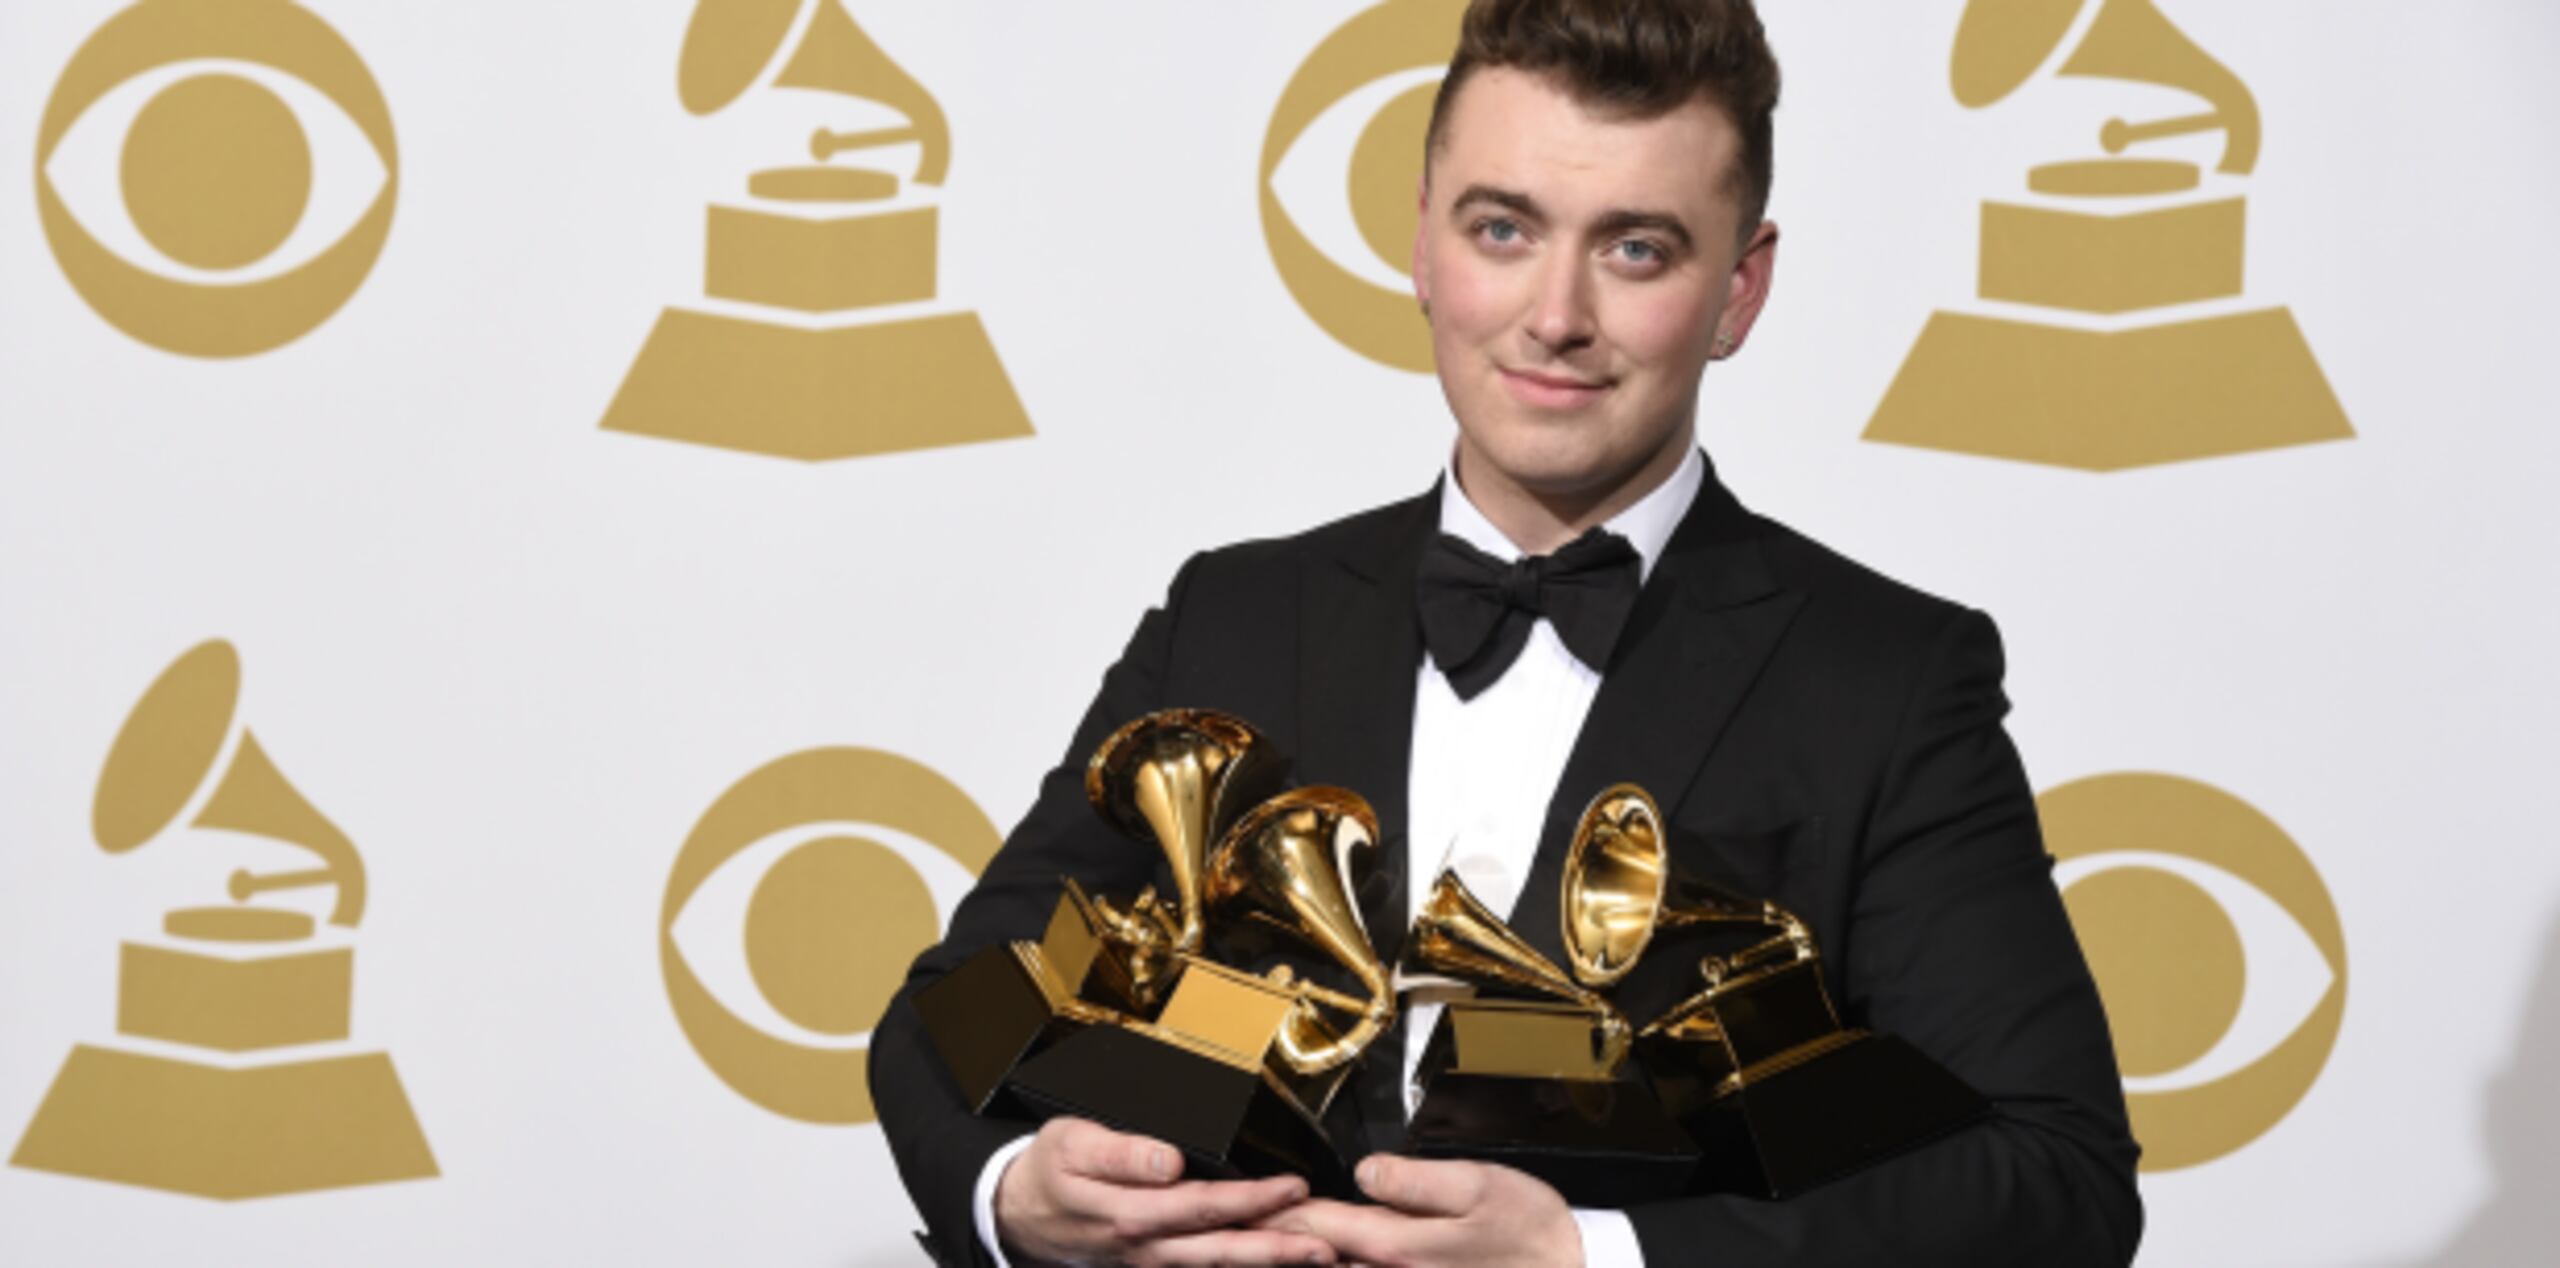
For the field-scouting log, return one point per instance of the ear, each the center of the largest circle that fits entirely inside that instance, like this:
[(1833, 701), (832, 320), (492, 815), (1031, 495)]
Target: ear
[(1753, 274), (1421, 268)]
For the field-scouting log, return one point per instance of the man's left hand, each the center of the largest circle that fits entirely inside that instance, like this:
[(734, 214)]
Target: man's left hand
[(1437, 1212)]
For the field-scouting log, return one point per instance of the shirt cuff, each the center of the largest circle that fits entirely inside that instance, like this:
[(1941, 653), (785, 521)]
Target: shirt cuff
[(1608, 1239), (984, 1203)]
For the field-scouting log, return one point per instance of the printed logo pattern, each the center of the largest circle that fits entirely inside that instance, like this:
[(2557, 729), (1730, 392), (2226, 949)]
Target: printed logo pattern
[(1341, 168), (828, 928), (831, 344), (246, 990), (2115, 343), (2216, 948), (218, 239)]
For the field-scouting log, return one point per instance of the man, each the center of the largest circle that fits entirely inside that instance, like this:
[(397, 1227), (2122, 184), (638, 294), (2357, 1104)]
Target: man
[(1591, 240)]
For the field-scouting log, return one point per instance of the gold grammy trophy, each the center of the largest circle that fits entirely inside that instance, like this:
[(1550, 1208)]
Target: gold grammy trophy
[(1543, 1084), (240, 993), (1777, 1094), (1749, 1086), (1151, 1034), (1574, 1033), (2122, 347), (827, 341), (1177, 779), (1284, 869)]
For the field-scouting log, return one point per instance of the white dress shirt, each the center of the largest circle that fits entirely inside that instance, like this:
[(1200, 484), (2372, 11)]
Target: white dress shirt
[(1484, 769), (1482, 773)]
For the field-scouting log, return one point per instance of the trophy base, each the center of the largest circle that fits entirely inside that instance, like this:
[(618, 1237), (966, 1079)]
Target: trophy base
[(223, 1132), (2110, 400), (1599, 1144), (1598, 1141), (1780, 1133), (1228, 1119), (986, 1017), (818, 392)]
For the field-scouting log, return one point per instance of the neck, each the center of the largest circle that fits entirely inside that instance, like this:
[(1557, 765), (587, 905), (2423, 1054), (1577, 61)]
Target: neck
[(1540, 520)]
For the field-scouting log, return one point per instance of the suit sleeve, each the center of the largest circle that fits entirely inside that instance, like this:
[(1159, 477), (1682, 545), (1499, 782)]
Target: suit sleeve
[(1956, 941), (940, 1147)]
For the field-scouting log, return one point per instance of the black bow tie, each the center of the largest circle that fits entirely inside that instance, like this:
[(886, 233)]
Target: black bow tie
[(1477, 610)]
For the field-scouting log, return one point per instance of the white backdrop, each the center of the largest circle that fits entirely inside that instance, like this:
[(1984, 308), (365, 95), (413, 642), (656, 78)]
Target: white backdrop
[(516, 657)]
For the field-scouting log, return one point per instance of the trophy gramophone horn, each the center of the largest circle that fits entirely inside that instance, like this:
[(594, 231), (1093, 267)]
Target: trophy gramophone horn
[(1620, 887), (1178, 778), (1455, 935), (166, 752), (1280, 864), (2002, 42), (1613, 882)]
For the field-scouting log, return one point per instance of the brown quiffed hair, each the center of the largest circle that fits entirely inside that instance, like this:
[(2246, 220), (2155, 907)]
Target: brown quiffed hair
[(1641, 58)]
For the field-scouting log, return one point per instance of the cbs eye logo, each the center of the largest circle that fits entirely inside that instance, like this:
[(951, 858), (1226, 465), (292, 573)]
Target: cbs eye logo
[(1340, 165), (2216, 948), (216, 177), (793, 911)]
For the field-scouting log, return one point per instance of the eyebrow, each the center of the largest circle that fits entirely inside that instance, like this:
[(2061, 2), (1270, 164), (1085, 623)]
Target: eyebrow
[(1508, 200), (1610, 224)]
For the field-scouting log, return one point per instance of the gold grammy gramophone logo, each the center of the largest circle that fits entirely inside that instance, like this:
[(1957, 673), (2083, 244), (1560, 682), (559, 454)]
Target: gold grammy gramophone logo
[(252, 187), (793, 910), (2216, 948), (1341, 162), (2114, 334), (228, 1086), (821, 336)]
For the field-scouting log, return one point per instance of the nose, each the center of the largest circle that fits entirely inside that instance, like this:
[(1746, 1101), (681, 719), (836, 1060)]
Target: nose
[(1561, 319)]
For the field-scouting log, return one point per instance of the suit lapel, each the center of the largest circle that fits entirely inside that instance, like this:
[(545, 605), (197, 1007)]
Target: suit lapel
[(1708, 618), (1359, 660), (1359, 654)]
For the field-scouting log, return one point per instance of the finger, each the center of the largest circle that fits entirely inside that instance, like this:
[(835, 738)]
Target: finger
[(1097, 1152), (1236, 1246), (1421, 1186), (1141, 1214), (1364, 1234)]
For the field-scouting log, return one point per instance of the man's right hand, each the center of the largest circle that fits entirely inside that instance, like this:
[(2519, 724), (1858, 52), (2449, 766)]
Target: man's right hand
[(1083, 1193)]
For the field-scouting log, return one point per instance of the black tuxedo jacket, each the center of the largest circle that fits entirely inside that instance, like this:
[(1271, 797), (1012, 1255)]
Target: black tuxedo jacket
[(1814, 733)]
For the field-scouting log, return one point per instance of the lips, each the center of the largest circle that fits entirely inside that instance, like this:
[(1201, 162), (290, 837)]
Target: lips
[(1552, 391)]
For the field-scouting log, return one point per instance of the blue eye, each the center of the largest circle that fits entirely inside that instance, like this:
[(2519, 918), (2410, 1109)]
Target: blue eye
[(1499, 230), (1638, 251)]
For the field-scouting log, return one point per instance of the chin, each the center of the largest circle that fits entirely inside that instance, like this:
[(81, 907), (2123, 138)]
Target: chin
[(1552, 463)]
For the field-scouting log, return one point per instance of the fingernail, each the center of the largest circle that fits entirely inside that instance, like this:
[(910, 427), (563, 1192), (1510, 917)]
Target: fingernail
[(1369, 1173), (1164, 1164)]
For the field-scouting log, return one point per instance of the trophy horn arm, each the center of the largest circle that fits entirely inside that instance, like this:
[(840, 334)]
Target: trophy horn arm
[(1682, 1013), (1788, 948), (1336, 1050), (1343, 1001)]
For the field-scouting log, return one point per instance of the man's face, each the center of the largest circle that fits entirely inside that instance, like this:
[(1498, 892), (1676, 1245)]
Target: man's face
[(1578, 269)]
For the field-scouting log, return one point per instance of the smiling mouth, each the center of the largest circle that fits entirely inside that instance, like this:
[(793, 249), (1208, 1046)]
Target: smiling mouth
[(1552, 391)]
